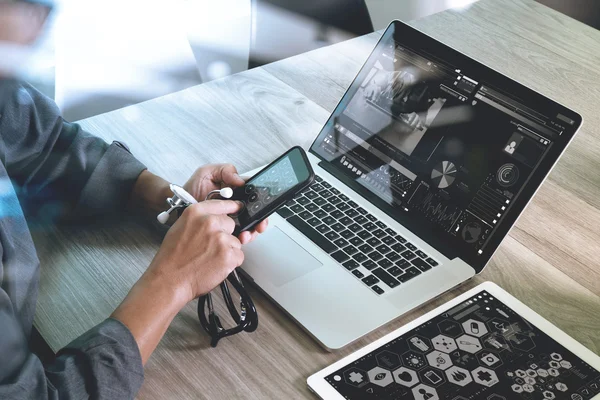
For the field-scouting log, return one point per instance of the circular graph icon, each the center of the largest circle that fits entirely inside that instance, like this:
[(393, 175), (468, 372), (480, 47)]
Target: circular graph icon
[(471, 232), (507, 175), (444, 174)]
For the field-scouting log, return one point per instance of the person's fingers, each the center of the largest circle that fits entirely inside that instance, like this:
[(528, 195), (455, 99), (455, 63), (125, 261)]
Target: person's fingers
[(224, 207), (245, 237), (232, 241), (225, 223), (227, 175), (262, 226)]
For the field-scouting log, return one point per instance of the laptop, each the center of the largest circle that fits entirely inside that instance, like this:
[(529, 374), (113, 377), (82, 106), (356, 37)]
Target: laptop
[(485, 344), (422, 169)]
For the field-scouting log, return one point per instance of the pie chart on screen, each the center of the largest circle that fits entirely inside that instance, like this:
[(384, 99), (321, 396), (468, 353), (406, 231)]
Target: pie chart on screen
[(444, 174)]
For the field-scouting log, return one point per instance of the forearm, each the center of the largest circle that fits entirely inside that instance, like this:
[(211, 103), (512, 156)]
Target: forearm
[(148, 311)]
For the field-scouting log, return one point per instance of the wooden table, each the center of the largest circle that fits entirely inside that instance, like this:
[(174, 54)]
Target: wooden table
[(549, 261)]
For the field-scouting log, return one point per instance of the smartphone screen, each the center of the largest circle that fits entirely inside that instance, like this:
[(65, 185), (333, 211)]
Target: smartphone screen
[(271, 187)]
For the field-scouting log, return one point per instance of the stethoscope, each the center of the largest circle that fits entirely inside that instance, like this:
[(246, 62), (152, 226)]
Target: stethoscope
[(247, 318)]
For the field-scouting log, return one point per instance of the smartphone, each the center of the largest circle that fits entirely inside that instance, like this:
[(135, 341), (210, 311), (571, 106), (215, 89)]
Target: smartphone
[(269, 189)]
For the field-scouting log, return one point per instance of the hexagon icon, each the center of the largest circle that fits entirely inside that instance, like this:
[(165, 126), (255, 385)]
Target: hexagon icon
[(355, 377), (444, 343), (413, 360), (520, 373), (387, 359), (521, 342), (495, 342), (500, 326), (450, 328), (405, 377), (517, 388), (556, 356), (565, 364), (424, 392), (459, 376), (542, 372), (548, 395), (554, 372), (380, 377), (528, 388), (531, 373), (485, 376), (419, 343), (561, 387), (489, 359), (439, 360), (469, 344), (554, 364), (529, 380), (432, 377), (474, 328)]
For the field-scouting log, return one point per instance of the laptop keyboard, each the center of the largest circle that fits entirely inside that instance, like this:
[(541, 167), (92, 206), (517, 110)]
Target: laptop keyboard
[(355, 238)]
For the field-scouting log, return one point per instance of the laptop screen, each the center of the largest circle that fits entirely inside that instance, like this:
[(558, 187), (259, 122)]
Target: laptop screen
[(446, 146)]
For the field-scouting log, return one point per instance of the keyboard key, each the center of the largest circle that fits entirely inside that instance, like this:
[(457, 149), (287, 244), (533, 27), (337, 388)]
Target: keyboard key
[(377, 289), (386, 278), (365, 248), (346, 221), (314, 221), (355, 227), (389, 240), (312, 234), (411, 246), (326, 184), (378, 233), (360, 220), (297, 208), (303, 200), (398, 248), (332, 235), (374, 241), (344, 197), (352, 213), (327, 207), (328, 220), (371, 217), (338, 227), (385, 263), (320, 214), (375, 256), (352, 204), (317, 187), (393, 256), (390, 231), (432, 262), (362, 210), (421, 254), (369, 264), (318, 178), (312, 207), (334, 191), (358, 274), (311, 195), (342, 206), (350, 265), (409, 274), (403, 264), (323, 228), (340, 256), (370, 280), (360, 257), (381, 225), (350, 250), (383, 249), (305, 215), (320, 201), (422, 265), (341, 242), (346, 234), (325, 194), (395, 271), (400, 239), (285, 212), (370, 226), (334, 200), (364, 235), (337, 214), (355, 241), (409, 255)]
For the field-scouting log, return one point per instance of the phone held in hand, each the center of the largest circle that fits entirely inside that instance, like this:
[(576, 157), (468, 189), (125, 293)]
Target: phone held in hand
[(272, 187)]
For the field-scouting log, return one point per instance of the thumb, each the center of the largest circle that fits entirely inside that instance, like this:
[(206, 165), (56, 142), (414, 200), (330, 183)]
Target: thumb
[(218, 207)]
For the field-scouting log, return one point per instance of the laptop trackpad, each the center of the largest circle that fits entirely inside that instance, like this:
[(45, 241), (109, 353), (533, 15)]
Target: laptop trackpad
[(278, 258)]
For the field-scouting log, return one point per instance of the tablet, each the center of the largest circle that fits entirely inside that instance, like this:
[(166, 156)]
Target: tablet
[(485, 344)]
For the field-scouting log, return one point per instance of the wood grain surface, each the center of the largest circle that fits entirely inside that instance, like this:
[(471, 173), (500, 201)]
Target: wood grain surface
[(549, 261)]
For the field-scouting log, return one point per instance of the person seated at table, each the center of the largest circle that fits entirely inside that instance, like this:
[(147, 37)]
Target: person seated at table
[(52, 166)]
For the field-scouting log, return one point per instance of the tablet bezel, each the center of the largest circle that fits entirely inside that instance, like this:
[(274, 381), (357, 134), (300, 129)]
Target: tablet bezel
[(322, 388)]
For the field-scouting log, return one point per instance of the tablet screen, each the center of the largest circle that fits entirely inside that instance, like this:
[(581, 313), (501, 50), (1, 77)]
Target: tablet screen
[(480, 349)]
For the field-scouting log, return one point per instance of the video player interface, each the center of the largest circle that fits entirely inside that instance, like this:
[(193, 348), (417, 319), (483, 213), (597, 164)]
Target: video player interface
[(449, 153), (480, 349)]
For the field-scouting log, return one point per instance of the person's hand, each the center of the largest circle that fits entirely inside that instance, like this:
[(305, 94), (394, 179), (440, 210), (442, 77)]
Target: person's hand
[(199, 251), (217, 176)]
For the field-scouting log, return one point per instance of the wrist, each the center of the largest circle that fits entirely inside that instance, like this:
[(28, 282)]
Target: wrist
[(150, 193)]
